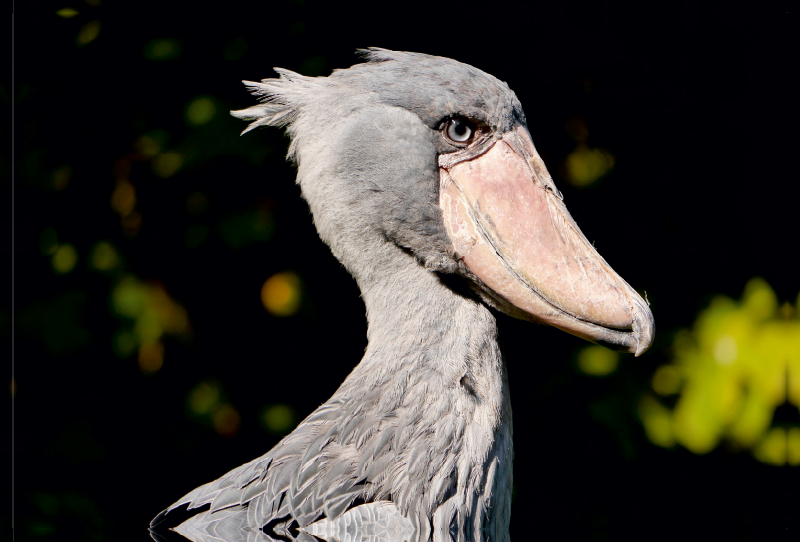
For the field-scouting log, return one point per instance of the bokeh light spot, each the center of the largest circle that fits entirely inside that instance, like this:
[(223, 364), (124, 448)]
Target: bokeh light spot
[(753, 420), (167, 164), (104, 256), (163, 49), (281, 294), (151, 357), (64, 259), (147, 146), (657, 422), (123, 199), (585, 166), (67, 13), (725, 351), (666, 380), (128, 297), (153, 311), (61, 178), (88, 33), (204, 398), (200, 111), (148, 325), (696, 421), (597, 360), (226, 420), (793, 446), (207, 402), (278, 419), (773, 448), (759, 299)]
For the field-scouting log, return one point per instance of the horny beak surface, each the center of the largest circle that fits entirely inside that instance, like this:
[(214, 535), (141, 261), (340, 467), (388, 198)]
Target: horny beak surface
[(509, 226)]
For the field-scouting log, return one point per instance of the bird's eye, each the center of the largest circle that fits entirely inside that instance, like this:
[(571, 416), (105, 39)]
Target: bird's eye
[(460, 130)]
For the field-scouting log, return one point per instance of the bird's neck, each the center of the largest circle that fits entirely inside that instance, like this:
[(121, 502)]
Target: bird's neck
[(422, 332), (426, 415)]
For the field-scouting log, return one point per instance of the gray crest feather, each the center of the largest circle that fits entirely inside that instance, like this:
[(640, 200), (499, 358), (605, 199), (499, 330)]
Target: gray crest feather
[(280, 99)]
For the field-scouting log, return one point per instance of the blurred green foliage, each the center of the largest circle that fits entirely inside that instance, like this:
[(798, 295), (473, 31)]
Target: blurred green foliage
[(200, 111), (278, 419), (67, 13), (585, 165), (738, 364), (207, 403), (163, 49), (597, 360), (152, 314), (142, 218), (88, 33)]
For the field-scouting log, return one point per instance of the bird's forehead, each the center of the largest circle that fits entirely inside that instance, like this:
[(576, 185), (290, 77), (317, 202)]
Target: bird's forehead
[(434, 87)]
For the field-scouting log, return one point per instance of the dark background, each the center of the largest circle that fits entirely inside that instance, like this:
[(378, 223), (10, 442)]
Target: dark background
[(696, 104)]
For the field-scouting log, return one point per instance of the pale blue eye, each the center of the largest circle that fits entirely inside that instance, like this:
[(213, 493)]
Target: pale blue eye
[(460, 130)]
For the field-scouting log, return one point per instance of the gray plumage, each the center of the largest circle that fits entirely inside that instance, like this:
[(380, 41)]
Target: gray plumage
[(423, 424), (372, 522)]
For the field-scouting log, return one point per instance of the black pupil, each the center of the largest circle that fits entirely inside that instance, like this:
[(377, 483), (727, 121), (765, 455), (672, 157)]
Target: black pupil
[(461, 128)]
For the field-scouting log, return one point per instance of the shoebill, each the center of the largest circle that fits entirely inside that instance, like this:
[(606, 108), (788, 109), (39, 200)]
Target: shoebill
[(422, 178)]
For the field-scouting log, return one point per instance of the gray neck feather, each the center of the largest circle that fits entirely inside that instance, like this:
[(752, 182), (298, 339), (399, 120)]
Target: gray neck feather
[(418, 323), (433, 362)]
